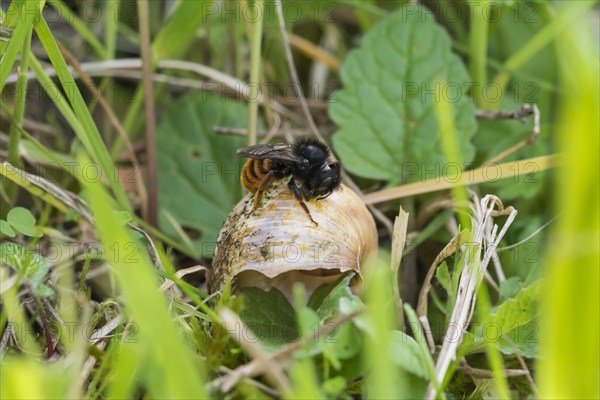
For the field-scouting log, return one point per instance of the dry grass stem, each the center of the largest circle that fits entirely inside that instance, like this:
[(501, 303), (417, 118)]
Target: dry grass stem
[(471, 177), (180, 274), (475, 265), (315, 52), (422, 304), (398, 244)]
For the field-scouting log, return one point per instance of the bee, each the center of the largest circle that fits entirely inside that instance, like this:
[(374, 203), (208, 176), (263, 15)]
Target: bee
[(306, 161)]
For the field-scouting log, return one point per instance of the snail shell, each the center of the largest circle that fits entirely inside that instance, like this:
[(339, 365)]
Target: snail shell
[(277, 245)]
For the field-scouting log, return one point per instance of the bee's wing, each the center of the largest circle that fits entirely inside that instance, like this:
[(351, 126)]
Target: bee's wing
[(275, 152)]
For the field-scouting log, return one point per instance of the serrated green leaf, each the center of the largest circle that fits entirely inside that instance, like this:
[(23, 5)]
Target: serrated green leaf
[(198, 174), (513, 326), (23, 221), (517, 311), (27, 263), (6, 229), (385, 111), (270, 317)]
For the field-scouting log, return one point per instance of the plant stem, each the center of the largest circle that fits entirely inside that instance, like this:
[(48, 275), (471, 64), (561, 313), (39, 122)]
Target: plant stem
[(18, 114), (19, 108), (478, 49), (256, 12), (151, 150)]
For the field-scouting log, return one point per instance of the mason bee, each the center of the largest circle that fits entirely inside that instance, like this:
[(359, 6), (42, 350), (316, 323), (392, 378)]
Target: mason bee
[(306, 161)]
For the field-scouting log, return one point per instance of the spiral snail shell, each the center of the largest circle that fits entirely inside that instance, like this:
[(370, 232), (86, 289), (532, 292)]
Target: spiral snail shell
[(277, 245)]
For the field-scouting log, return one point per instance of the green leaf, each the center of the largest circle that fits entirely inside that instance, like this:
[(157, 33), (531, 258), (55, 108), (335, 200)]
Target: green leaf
[(406, 354), (522, 340), (513, 327), (330, 306), (198, 174), (345, 342), (270, 317), (510, 287), (519, 310), (27, 263), (23, 221), (385, 112), (6, 229)]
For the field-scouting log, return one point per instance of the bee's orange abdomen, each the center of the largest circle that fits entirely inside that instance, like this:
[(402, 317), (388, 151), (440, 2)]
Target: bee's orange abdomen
[(254, 172)]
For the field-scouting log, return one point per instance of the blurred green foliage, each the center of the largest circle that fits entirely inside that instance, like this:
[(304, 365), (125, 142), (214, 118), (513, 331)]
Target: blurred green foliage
[(101, 325)]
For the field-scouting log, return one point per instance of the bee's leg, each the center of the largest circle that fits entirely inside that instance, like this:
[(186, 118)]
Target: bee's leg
[(263, 186), (296, 192), (324, 196)]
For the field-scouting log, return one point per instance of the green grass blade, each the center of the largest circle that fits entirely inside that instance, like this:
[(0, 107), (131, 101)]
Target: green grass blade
[(80, 26), (93, 141), (19, 107), (378, 348), (445, 119), (18, 114), (570, 323), (14, 175), (478, 41), (493, 354), (43, 149), (20, 17), (422, 342), (53, 91), (160, 342), (444, 112), (570, 12), (111, 26), (176, 35)]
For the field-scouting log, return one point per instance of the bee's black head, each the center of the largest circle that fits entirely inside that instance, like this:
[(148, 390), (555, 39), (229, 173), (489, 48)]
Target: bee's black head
[(319, 177), (328, 179)]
